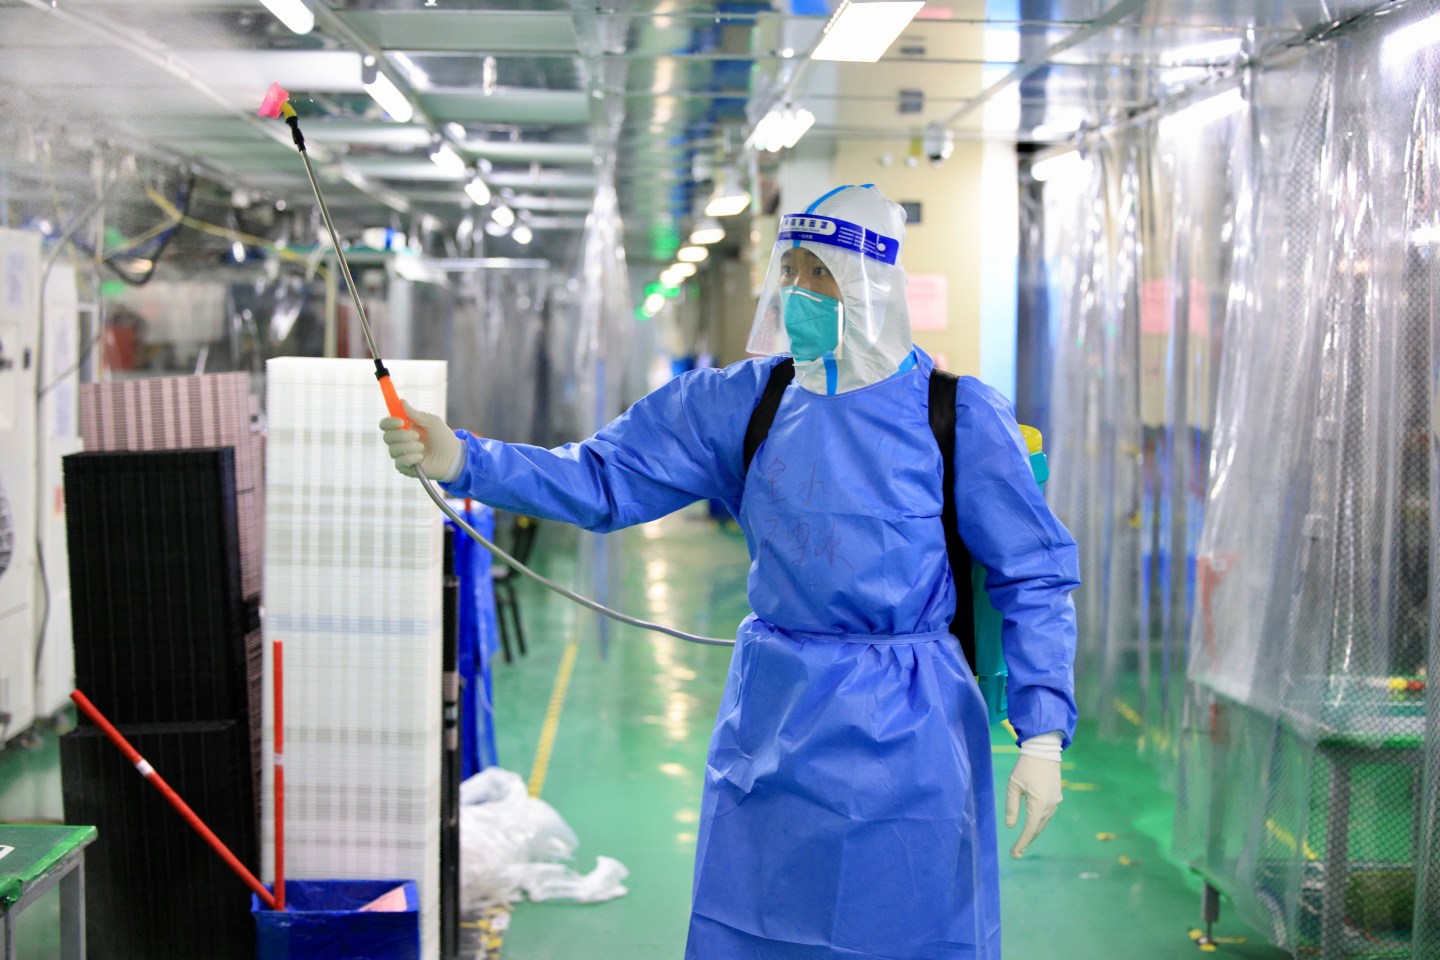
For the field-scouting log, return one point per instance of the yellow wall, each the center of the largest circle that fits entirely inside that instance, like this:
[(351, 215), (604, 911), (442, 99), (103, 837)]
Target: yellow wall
[(949, 238), (946, 241)]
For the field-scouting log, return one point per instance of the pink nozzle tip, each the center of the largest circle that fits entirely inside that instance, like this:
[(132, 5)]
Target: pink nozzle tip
[(275, 98)]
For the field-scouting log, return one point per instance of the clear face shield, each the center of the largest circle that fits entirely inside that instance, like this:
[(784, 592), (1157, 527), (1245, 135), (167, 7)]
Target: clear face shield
[(831, 291)]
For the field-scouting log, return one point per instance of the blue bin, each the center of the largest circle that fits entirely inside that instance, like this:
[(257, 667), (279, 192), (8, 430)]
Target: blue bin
[(322, 920)]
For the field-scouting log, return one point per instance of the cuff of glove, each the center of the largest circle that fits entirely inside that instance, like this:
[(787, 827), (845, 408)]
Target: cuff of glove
[(1046, 746), (457, 466)]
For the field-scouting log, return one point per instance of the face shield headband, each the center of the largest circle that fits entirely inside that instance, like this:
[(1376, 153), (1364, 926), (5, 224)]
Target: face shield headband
[(798, 228)]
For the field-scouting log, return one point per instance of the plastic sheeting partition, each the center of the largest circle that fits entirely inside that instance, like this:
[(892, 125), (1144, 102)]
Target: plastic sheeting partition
[(353, 568), (1246, 310)]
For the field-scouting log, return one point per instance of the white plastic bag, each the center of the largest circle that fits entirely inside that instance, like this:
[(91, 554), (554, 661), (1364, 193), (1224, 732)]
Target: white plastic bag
[(510, 843)]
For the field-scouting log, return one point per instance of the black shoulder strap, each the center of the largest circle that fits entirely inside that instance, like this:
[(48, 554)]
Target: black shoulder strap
[(942, 424), (780, 376)]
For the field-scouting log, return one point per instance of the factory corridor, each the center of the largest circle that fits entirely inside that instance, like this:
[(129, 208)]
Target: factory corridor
[(629, 752)]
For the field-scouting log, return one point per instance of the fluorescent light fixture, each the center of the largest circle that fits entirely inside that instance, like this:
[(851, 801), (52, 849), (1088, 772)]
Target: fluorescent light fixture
[(780, 129), (237, 250), (1060, 166), (1412, 39), (418, 78), (384, 92), (682, 270), (293, 13), (504, 216), (478, 191), (801, 120), (654, 303), (522, 235), (862, 32), (727, 206), (494, 229), (693, 254), (1207, 111), (728, 199), (707, 231), (445, 157)]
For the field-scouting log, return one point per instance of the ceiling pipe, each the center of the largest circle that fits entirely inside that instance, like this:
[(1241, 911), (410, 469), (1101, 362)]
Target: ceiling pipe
[(156, 53)]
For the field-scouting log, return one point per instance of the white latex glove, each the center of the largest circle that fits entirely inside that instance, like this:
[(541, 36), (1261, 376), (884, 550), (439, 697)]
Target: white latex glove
[(429, 444), (1036, 778)]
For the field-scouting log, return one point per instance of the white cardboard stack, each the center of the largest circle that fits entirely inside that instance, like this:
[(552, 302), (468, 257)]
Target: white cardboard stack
[(353, 566)]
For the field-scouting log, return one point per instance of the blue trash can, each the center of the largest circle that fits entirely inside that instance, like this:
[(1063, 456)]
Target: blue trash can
[(322, 920)]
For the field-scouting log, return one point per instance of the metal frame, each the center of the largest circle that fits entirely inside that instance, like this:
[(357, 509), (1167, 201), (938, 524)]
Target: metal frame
[(71, 878)]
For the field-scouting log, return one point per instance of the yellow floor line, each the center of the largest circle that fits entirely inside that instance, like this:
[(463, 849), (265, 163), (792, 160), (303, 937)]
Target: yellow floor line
[(492, 941), (552, 720)]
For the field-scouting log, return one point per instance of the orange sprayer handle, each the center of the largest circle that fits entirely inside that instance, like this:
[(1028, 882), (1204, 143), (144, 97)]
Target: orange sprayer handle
[(392, 398)]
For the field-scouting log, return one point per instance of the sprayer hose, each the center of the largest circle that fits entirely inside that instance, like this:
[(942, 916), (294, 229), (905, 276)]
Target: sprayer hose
[(519, 567)]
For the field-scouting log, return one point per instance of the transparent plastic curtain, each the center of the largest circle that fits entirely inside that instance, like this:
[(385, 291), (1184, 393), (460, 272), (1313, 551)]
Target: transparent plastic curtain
[(1092, 246), (501, 358), (602, 305), (1245, 413), (1136, 260)]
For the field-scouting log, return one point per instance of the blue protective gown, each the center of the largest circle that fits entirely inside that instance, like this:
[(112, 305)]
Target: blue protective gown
[(848, 808)]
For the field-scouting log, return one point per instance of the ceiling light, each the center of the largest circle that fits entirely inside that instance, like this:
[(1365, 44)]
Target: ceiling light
[(729, 198), (682, 270), (504, 216), (522, 235), (693, 254), (862, 32), (1407, 40), (384, 92), (445, 157), (654, 303), (418, 78), (781, 128), (1062, 165), (293, 13), (494, 229), (707, 231), (478, 191)]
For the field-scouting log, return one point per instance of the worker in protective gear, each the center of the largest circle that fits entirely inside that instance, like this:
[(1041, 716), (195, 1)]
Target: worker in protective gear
[(848, 806)]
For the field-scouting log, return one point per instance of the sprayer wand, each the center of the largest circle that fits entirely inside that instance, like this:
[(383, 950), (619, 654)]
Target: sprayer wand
[(277, 105)]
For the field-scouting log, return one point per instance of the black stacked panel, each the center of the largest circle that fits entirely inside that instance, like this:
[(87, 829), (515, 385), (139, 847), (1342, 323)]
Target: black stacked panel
[(155, 580), (153, 887), (162, 636)]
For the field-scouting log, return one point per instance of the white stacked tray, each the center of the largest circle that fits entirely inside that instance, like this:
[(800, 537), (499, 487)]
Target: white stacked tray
[(353, 564)]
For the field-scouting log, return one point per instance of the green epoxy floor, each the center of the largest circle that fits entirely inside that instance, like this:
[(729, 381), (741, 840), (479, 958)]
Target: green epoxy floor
[(626, 774), (630, 751)]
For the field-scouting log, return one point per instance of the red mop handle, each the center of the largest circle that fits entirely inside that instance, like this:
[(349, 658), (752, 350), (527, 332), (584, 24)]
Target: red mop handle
[(148, 772), (279, 767)]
